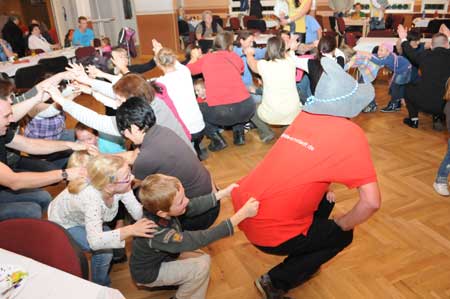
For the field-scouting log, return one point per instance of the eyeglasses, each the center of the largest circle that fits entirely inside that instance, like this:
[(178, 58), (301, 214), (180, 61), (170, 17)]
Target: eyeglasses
[(125, 181)]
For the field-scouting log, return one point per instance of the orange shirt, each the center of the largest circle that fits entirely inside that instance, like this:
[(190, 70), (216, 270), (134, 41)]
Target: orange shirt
[(290, 182)]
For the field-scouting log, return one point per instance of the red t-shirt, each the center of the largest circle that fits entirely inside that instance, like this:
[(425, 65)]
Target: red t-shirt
[(290, 182), (222, 72)]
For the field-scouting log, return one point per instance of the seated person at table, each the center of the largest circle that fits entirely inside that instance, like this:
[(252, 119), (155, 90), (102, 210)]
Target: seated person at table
[(207, 28), (172, 256), (6, 51), (357, 13), (83, 36), (162, 151), (87, 203), (37, 41)]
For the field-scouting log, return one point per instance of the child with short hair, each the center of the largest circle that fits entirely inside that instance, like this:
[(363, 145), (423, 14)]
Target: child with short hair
[(200, 90), (171, 257), (401, 68)]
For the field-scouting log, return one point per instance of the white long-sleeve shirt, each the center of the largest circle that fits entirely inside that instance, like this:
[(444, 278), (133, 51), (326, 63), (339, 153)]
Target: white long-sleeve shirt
[(181, 92), (38, 42), (88, 209)]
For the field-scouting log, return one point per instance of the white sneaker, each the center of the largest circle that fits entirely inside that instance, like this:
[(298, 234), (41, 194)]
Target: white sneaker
[(441, 188)]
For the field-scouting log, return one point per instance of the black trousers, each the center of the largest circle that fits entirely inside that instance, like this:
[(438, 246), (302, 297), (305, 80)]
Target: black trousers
[(416, 102), (305, 254), (235, 115), (196, 139)]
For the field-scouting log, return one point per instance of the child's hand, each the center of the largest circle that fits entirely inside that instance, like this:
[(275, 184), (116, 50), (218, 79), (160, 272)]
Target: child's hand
[(225, 192), (331, 197), (250, 209), (143, 228)]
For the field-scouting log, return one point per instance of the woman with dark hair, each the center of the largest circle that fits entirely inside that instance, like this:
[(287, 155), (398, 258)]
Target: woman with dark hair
[(325, 48), (228, 100), (297, 14), (280, 103), (207, 28), (68, 38), (37, 41)]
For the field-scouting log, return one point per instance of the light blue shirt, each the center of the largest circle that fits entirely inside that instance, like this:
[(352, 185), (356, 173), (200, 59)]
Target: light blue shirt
[(247, 75), (83, 39), (108, 144), (311, 29)]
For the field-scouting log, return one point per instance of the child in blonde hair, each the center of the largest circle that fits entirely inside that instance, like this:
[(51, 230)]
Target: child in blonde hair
[(172, 257), (86, 204)]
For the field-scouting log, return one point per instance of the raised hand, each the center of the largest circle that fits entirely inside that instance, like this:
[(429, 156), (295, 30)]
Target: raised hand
[(156, 46), (402, 32)]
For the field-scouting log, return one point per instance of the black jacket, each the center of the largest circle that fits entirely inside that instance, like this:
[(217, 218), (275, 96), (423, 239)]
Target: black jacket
[(14, 36), (434, 66)]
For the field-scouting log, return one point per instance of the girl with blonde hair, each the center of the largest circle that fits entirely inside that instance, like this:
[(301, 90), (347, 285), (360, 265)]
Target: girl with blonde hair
[(86, 204)]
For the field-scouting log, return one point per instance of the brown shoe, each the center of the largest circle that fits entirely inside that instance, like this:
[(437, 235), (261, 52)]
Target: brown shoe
[(267, 290)]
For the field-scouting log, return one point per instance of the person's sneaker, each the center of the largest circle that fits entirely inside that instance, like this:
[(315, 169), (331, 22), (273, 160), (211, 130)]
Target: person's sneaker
[(441, 188), (411, 123), (370, 108), (391, 107), (267, 290)]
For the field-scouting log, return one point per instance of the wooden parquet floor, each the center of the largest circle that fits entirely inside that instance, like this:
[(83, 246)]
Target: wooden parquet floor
[(403, 251)]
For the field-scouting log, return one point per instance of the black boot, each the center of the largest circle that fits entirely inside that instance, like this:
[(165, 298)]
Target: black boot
[(411, 123), (238, 137), (217, 142)]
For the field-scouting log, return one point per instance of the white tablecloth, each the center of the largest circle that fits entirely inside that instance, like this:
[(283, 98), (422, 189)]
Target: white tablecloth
[(419, 22), (368, 43), (10, 68), (271, 23), (262, 39), (45, 282)]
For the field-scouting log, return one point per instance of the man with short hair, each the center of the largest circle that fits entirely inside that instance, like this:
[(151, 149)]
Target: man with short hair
[(322, 146), (83, 36), (427, 94), (19, 196), (162, 151)]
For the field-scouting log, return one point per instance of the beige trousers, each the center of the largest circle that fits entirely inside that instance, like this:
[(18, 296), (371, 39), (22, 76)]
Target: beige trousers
[(190, 274)]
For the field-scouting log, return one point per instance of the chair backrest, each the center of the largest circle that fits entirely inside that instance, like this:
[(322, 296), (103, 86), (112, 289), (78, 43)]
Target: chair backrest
[(381, 33), (84, 52), (340, 25), (54, 65), (397, 20), (247, 18), (45, 242), (97, 42), (235, 24), (259, 25), (350, 39), (27, 77)]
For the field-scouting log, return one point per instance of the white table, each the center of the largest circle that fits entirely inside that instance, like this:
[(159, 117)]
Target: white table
[(261, 39), (10, 68), (363, 22), (45, 282), (368, 43), (271, 23)]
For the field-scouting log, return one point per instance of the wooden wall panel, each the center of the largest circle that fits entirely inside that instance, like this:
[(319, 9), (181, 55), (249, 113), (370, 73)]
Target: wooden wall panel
[(163, 27), (206, 4)]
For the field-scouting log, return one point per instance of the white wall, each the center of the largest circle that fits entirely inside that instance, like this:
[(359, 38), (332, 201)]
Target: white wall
[(148, 7)]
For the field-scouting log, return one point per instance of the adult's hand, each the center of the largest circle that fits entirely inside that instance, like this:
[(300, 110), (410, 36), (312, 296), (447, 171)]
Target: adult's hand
[(402, 32)]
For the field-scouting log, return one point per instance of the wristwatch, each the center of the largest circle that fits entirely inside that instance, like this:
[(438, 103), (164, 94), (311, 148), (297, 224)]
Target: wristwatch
[(64, 174)]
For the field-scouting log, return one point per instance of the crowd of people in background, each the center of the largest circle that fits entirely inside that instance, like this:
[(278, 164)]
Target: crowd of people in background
[(297, 82)]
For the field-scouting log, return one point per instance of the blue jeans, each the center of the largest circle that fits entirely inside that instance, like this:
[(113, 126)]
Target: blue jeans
[(101, 259), (28, 203), (244, 5), (304, 88), (444, 169)]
